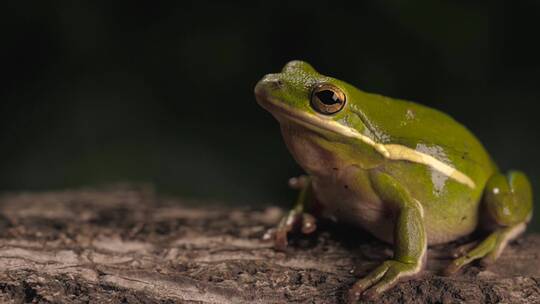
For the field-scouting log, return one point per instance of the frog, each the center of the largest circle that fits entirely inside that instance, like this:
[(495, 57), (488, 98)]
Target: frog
[(410, 175)]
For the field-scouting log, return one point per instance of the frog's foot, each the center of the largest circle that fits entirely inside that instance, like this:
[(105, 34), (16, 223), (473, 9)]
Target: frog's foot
[(461, 250), (296, 218), (305, 221), (508, 202), (382, 278), (488, 250)]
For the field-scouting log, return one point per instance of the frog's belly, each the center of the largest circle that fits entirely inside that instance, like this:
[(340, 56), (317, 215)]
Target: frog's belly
[(377, 222), (380, 221), (366, 210)]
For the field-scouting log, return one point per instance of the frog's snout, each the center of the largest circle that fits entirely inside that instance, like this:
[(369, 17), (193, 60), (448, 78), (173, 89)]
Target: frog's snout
[(273, 80), (268, 83)]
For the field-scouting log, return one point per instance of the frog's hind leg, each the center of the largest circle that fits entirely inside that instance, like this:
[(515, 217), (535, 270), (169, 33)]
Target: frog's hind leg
[(489, 249), (508, 204)]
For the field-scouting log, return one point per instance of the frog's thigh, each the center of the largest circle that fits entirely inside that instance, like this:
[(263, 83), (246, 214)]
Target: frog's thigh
[(508, 203), (508, 199)]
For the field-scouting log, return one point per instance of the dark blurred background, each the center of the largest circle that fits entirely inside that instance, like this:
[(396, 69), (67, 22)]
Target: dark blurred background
[(101, 92)]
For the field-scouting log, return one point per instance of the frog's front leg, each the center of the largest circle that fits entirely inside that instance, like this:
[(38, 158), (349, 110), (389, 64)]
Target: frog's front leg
[(298, 215), (409, 238), (508, 204)]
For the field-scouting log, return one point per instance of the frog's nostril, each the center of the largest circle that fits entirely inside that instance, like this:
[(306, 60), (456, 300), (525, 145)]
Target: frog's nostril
[(273, 80), (270, 77), (276, 84), (269, 83)]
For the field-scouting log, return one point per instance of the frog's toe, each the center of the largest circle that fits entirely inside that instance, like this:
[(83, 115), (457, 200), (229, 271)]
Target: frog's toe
[(381, 279), (488, 250), (454, 266), (299, 182), (308, 223), (488, 260), (478, 252), (292, 221), (280, 240), (462, 249), (269, 235), (278, 237), (363, 284)]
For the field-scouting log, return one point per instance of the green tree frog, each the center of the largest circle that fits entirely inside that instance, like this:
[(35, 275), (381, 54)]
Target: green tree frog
[(410, 175)]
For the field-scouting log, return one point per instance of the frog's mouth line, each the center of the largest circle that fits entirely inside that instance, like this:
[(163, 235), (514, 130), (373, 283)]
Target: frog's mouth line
[(307, 120), (314, 121), (389, 151)]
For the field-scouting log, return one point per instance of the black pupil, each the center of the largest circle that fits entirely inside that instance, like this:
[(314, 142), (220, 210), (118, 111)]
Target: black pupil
[(328, 97)]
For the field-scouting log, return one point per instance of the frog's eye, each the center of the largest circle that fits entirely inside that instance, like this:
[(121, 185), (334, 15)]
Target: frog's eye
[(327, 99)]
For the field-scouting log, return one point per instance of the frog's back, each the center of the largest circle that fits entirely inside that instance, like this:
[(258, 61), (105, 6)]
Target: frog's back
[(428, 131), (450, 204)]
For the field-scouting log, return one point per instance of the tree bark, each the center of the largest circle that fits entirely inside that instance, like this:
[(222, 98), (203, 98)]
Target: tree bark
[(125, 245)]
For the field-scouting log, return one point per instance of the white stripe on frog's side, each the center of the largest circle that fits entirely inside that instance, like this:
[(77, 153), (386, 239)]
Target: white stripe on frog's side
[(390, 151), (401, 152)]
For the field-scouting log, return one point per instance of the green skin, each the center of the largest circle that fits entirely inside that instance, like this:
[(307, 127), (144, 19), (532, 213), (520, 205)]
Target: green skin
[(402, 200)]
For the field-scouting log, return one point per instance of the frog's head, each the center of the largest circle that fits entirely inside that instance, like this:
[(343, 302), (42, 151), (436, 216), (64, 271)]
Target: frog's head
[(325, 109)]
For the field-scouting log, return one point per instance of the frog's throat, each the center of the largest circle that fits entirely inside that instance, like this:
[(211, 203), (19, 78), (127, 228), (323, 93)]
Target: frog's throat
[(389, 151)]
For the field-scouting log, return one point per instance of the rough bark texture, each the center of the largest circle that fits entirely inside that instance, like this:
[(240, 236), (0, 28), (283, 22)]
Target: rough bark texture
[(125, 245)]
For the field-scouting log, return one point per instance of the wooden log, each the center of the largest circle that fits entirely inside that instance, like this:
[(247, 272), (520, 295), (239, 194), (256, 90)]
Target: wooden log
[(126, 245)]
